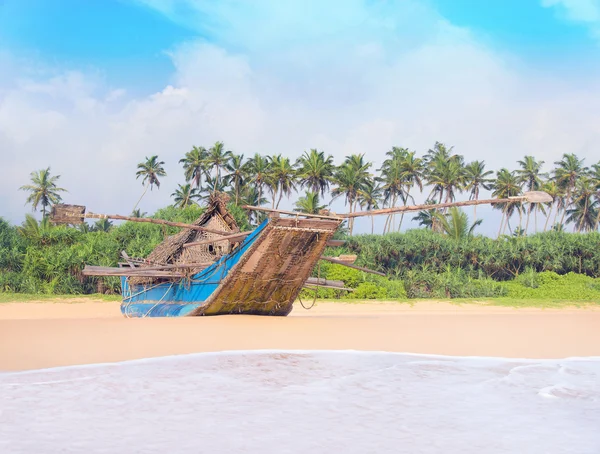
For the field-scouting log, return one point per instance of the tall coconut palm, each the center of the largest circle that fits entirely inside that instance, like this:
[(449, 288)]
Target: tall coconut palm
[(392, 181), (584, 210), (217, 159), (477, 178), (250, 196), (554, 191), (237, 175), (412, 172), (447, 177), (194, 165), (43, 190), (351, 178), (150, 170), (568, 169), (595, 176), (506, 185), (530, 177), (369, 198), (309, 203), (315, 170), (283, 178), (184, 195), (259, 173)]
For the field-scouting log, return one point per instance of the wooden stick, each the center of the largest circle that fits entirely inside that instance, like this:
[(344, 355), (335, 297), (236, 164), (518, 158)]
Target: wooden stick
[(291, 213), (328, 286), (335, 243), (360, 268), (321, 281), (153, 221), (216, 240), (431, 207)]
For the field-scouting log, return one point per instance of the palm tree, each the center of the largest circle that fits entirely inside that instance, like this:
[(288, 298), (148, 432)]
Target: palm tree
[(194, 165), (150, 170), (283, 177), (412, 172), (102, 225), (552, 189), (315, 171), (184, 195), (446, 176), (595, 176), (309, 203), (351, 178), (368, 199), (506, 185), (530, 176), (392, 182), (455, 224), (259, 173), (218, 158), (237, 174), (477, 178), (584, 209), (138, 213), (43, 190), (426, 217), (569, 168), (33, 230), (250, 196)]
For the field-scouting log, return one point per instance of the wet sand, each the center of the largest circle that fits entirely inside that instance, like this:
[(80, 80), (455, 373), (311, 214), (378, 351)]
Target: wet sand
[(50, 334)]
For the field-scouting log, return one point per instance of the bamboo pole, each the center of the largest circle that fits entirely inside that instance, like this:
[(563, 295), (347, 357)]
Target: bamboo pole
[(356, 267), (433, 206)]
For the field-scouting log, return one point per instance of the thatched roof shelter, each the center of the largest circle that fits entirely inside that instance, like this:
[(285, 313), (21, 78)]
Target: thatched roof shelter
[(216, 217)]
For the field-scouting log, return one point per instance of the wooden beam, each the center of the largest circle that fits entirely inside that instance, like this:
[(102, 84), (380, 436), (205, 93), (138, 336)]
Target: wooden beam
[(360, 268), (291, 213), (531, 196), (216, 240), (335, 243)]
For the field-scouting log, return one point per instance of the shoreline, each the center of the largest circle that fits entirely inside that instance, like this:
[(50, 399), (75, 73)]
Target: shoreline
[(54, 334)]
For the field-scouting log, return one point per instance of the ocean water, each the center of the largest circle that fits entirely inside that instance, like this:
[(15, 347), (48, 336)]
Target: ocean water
[(305, 402)]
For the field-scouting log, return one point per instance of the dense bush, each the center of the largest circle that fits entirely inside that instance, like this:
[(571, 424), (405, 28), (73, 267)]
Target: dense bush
[(41, 258), (501, 259)]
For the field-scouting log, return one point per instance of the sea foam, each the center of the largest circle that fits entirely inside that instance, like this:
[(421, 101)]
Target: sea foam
[(299, 402)]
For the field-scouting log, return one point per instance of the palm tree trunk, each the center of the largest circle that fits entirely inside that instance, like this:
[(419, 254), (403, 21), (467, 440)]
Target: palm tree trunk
[(405, 202), (548, 216), (567, 203), (527, 221), (501, 222), (373, 224), (274, 196), (143, 194), (280, 197), (475, 206)]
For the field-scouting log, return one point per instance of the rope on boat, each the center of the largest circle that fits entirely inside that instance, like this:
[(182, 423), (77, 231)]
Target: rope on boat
[(159, 301), (316, 291)]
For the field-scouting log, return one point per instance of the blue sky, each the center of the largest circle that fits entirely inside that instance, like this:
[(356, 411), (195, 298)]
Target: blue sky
[(91, 87), (128, 41)]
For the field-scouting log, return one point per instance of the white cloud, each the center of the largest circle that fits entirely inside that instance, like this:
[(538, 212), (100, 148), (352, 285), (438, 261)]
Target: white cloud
[(281, 81), (577, 10)]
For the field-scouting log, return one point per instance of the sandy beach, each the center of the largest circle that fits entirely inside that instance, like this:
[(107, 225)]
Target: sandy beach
[(49, 334)]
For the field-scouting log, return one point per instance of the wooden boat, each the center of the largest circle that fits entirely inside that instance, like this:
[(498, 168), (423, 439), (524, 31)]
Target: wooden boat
[(212, 268)]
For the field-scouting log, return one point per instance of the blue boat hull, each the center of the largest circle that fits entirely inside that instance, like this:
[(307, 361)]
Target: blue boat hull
[(262, 276)]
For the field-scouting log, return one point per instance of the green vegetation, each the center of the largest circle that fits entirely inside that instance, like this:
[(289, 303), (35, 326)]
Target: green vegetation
[(534, 260)]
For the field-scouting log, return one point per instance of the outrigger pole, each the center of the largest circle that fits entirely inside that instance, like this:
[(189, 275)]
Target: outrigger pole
[(528, 197), (75, 214)]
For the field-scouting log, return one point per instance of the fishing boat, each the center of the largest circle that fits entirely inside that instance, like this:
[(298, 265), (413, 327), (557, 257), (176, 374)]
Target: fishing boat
[(211, 268)]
